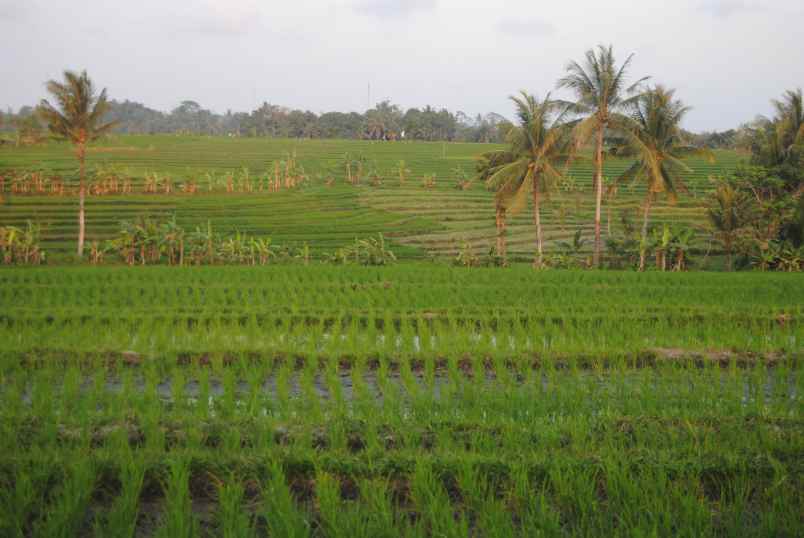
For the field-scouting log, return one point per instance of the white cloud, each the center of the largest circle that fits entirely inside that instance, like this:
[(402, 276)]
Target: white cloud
[(526, 27), (13, 11), (726, 8), (211, 17), (392, 8)]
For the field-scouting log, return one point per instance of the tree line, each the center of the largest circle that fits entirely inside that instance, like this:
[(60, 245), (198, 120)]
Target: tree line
[(385, 121)]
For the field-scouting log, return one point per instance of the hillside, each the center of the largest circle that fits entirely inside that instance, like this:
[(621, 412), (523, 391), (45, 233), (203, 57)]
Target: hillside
[(420, 221)]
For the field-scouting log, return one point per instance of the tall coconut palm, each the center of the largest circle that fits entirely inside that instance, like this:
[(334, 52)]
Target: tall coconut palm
[(653, 135), (538, 145), (77, 118), (601, 93)]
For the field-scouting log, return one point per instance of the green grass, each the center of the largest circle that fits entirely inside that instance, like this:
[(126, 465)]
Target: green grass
[(420, 221), (413, 400)]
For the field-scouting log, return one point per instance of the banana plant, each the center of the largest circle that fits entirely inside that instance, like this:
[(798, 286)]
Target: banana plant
[(261, 250), (125, 244), (96, 252), (369, 251), (680, 245), (466, 255), (212, 181), (558, 261), (244, 181), (304, 254), (167, 184), (8, 242), (149, 241), (29, 244), (623, 252), (151, 183), (149, 234), (347, 164), (21, 246), (375, 178), (661, 240), (99, 250), (234, 249), (373, 251), (462, 180), (768, 256), (645, 247), (790, 258), (202, 244), (402, 171), (354, 165), (574, 250), (171, 241), (339, 257)]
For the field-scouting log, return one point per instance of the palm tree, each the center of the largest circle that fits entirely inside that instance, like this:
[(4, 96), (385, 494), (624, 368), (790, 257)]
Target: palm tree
[(77, 118), (789, 121), (537, 145), (653, 135), (681, 244), (729, 211), (778, 141), (600, 89)]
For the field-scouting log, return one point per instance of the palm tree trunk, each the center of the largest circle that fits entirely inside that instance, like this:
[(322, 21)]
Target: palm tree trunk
[(538, 223), (81, 195), (729, 255), (598, 194), (648, 201), (500, 222)]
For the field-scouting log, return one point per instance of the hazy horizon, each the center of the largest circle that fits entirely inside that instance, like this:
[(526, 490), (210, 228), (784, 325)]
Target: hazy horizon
[(726, 58)]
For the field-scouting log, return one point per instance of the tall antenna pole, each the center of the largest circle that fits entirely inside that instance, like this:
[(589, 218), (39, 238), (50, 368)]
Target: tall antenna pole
[(368, 97)]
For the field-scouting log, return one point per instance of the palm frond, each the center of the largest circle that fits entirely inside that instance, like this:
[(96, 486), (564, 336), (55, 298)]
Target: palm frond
[(653, 133), (631, 173), (77, 111)]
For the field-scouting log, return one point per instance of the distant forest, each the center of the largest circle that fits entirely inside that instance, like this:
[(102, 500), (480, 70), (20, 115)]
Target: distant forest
[(386, 121)]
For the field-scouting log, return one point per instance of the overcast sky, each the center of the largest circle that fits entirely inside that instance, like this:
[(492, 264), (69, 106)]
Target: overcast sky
[(727, 58)]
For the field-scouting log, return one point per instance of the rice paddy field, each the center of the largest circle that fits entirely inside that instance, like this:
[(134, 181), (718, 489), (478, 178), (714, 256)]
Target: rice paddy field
[(411, 400), (421, 222), (414, 400)]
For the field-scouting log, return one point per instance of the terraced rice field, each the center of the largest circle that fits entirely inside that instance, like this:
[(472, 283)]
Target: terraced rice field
[(413, 400), (422, 222)]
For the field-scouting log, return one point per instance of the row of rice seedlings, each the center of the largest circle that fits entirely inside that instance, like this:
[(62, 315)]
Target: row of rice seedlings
[(386, 336), (531, 303), (572, 414), (67, 404), (435, 497), (404, 287)]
